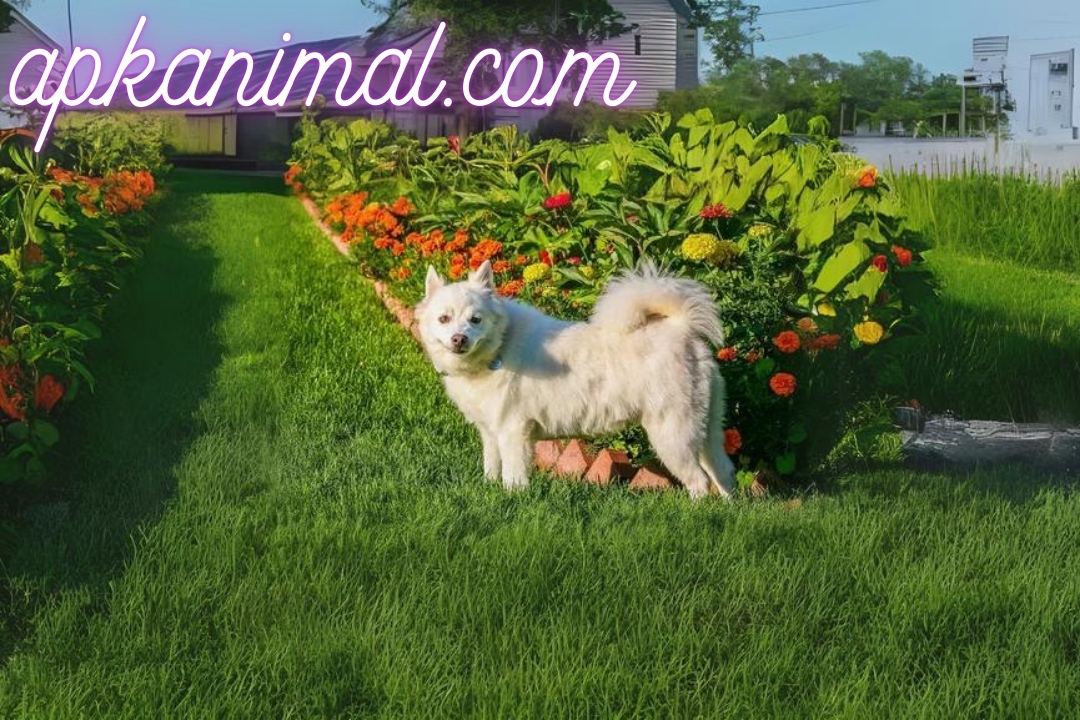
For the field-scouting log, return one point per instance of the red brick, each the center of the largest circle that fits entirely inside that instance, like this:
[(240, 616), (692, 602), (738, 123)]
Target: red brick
[(575, 460), (546, 454), (651, 479), (609, 464)]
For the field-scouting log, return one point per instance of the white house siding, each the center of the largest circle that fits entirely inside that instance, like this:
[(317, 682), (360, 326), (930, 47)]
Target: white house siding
[(14, 44)]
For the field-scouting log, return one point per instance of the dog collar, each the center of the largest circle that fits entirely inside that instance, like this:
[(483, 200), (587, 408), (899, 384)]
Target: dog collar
[(493, 366)]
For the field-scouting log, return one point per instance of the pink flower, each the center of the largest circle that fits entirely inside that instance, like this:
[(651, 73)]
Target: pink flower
[(557, 201), (718, 210)]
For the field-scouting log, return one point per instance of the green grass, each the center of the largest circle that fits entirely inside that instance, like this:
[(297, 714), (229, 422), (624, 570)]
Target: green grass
[(1022, 220), (271, 510)]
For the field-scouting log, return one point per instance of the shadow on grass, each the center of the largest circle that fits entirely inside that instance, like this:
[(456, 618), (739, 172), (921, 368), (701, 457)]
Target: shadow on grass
[(113, 471)]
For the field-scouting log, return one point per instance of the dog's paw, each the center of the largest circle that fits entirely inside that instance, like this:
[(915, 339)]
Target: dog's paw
[(515, 483)]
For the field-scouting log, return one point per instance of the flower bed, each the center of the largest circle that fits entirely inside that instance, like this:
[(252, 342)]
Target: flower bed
[(64, 240), (818, 276)]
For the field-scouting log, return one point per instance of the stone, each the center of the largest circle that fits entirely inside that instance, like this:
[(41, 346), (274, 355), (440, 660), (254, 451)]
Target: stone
[(651, 479), (609, 464), (575, 460), (546, 453)]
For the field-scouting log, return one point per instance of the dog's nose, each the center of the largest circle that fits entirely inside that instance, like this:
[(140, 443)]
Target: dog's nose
[(458, 342)]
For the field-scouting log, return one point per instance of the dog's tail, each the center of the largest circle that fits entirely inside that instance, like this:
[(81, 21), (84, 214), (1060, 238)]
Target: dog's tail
[(646, 295)]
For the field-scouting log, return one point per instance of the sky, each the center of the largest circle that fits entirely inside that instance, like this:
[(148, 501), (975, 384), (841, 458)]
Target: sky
[(936, 33)]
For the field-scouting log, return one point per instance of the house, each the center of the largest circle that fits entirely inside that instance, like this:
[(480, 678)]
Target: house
[(660, 54), (21, 37)]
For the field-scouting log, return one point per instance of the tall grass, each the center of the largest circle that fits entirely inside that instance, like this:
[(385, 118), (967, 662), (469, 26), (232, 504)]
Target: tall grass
[(1012, 217)]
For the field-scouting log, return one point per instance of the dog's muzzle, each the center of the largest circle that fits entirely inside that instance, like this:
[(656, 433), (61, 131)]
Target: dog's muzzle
[(459, 343)]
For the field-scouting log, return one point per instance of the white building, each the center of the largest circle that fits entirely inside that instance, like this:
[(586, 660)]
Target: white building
[(22, 37)]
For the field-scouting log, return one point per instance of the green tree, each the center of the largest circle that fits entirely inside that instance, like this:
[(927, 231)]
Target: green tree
[(6, 17), (730, 28)]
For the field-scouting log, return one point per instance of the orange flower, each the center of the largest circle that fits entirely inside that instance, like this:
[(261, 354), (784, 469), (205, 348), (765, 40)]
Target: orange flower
[(48, 393), (456, 271), (787, 341), (867, 177), (402, 207), (732, 441), (500, 266), (511, 288), (32, 254), (521, 260), (807, 325), (825, 342), (11, 398), (903, 255), (727, 354), (752, 356), (783, 384), (397, 248)]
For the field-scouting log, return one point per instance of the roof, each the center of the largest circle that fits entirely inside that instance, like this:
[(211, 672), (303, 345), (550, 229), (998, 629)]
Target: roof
[(37, 32)]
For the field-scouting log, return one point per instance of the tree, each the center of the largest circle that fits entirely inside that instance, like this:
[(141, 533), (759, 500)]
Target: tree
[(730, 28), (6, 18)]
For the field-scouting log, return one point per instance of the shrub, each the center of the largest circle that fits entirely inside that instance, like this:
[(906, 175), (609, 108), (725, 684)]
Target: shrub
[(818, 276), (586, 122), (64, 238), (98, 144)]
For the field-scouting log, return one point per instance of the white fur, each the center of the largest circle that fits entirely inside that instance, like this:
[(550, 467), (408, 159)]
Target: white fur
[(643, 357)]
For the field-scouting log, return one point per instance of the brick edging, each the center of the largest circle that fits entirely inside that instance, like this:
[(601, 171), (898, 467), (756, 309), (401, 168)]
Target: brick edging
[(571, 459)]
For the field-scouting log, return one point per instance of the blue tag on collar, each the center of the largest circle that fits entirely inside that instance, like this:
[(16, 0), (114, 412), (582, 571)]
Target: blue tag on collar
[(495, 364)]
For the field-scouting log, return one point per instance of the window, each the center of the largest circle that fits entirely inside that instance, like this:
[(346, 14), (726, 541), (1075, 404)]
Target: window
[(1059, 68), (637, 44)]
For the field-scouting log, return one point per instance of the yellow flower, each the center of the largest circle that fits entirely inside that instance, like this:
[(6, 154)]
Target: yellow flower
[(759, 229), (705, 247), (587, 271), (869, 332), (826, 309), (536, 272)]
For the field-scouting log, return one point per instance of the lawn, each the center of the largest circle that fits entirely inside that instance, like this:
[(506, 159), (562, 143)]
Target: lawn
[(269, 509)]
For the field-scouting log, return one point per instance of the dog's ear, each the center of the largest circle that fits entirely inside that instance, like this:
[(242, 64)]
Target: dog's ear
[(433, 282), (484, 276)]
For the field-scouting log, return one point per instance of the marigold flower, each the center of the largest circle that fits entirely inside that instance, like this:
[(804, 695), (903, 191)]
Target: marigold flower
[(903, 255), (826, 309), (711, 212), (536, 272), (869, 332), (456, 271), (557, 201), (759, 230), (727, 354), (787, 341), (880, 262), (783, 384), (521, 260), (11, 397), (705, 247), (32, 254), (511, 288), (807, 325), (454, 143), (545, 257), (402, 207), (397, 248), (866, 177), (825, 342), (500, 266), (732, 441), (752, 357)]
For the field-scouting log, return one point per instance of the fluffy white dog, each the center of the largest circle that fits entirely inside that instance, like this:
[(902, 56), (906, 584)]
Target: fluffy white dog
[(643, 357)]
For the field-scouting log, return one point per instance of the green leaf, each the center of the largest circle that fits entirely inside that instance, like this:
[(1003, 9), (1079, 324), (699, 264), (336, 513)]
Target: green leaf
[(18, 430), (797, 433), (818, 227), (46, 432), (842, 263), (785, 464), (866, 286)]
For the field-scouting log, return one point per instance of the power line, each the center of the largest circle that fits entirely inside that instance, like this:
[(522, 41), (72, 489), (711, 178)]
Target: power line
[(817, 7), (802, 35)]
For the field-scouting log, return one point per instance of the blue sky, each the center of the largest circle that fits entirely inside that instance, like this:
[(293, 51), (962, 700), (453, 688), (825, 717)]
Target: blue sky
[(937, 33)]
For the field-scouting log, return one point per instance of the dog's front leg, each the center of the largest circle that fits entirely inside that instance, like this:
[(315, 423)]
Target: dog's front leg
[(492, 459), (516, 452)]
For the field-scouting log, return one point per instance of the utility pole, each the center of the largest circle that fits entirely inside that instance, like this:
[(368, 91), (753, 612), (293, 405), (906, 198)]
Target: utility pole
[(71, 47)]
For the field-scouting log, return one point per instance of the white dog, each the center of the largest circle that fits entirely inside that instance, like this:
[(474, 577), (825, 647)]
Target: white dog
[(643, 357)]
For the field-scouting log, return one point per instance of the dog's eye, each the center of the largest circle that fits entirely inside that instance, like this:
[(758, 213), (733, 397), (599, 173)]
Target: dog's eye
[(475, 319), (444, 318)]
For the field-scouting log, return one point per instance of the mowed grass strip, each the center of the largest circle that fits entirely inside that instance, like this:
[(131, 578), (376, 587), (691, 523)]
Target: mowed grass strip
[(318, 542)]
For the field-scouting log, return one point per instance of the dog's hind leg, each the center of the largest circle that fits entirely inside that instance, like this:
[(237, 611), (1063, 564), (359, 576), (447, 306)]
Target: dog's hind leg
[(677, 442), (515, 451)]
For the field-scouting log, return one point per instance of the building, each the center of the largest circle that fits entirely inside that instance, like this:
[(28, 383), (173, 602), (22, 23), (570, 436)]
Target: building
[(661, 53), (20, 38), (1050, 93)]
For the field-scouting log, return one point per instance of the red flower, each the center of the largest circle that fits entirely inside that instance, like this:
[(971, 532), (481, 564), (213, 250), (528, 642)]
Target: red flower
[(11, 398), (727, 354), (867, 177), (825, 342), (787, 341), (557, 201), (454, 142), (880, 262), (752, 357), (32, 254), (545, 257), (710, 212), (573, 260), (783, 384), (732, 441), (903, 255)]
